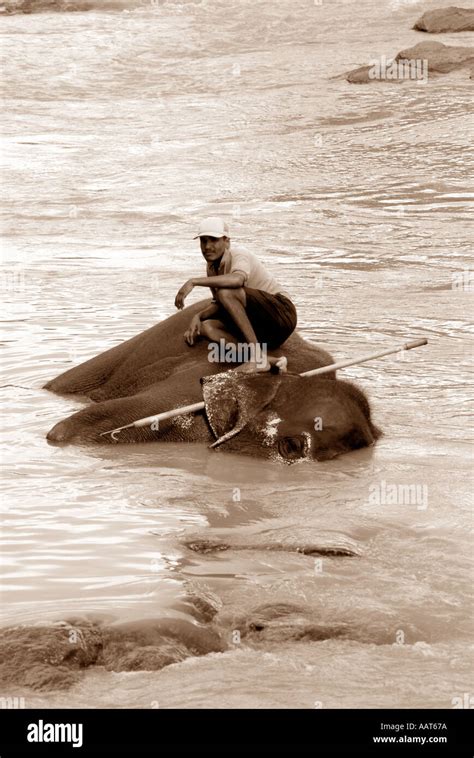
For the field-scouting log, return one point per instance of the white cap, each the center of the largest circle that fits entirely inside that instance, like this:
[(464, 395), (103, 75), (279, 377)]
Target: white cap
[(213, 227)]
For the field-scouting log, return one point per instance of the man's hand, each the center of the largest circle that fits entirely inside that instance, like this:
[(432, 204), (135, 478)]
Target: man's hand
[(183, 292), (193, 331)]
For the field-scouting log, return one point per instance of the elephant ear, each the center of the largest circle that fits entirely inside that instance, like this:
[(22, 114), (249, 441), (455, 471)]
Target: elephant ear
[(232, 399)]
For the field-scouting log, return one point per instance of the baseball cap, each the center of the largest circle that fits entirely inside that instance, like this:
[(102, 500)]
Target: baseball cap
[(213, 227)]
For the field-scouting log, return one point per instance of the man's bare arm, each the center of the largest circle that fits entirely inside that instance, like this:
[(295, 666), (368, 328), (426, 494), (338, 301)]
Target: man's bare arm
[(230, 281)]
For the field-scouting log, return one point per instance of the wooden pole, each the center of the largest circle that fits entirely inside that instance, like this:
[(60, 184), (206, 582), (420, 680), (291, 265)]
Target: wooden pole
[(365, 358)]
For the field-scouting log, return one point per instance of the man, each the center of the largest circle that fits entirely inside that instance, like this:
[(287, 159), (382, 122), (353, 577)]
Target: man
[(248, 303)]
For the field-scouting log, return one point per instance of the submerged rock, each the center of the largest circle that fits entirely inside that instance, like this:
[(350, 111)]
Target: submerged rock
[(49, 656), (415, 63), (65, 6), (450, 19), (286, 621), (203, 604), (292, 539), (283, 622), (152, 644), (45, 6), (52, 656)]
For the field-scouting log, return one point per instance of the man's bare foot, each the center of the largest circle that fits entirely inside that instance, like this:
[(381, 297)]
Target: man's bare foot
[(257, 367), (281, 363)]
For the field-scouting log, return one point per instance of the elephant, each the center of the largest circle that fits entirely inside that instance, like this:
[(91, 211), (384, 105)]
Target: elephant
[(284, 417)]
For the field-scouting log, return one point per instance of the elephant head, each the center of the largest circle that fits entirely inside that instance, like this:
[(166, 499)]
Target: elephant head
[(287, 417)]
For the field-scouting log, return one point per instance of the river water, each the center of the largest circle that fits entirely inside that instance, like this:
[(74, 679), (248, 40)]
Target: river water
[(122, 128)]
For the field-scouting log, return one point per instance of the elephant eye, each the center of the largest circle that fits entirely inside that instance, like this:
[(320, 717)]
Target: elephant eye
[(292, 448)]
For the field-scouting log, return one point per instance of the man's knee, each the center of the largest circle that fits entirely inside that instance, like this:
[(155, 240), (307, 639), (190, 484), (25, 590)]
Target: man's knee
[(227, 295)]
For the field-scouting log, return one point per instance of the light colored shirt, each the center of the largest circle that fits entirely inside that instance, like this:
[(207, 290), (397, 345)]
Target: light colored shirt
[(240, 260)]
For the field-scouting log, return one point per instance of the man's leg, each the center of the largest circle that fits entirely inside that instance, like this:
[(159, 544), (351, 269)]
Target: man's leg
[(214, 330), (233, 301)]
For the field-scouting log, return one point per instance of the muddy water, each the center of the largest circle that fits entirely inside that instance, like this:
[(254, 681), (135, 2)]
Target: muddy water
[(123, 128)]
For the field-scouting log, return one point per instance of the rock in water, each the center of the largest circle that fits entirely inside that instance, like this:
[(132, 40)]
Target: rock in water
[(292, 539), (414, 63), (45, 6), (52, 656), (450, 19), (47, 657), (285, 622), (441, 58), (152, 644)]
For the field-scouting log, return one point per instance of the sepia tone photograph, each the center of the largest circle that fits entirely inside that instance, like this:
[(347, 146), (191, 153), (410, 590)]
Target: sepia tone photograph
[(237, 356)]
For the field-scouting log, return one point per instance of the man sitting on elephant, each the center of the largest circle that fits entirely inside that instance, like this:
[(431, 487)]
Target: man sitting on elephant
[(248, 303)]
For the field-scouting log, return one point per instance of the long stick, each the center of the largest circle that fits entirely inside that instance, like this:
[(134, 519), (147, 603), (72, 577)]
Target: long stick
[(365, 358), (317, 371)]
